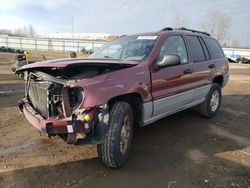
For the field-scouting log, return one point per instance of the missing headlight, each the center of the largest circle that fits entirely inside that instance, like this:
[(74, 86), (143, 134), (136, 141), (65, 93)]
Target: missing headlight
[(75, 97)]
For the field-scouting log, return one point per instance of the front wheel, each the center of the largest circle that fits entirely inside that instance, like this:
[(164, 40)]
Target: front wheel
[(211, 105), (115, 149)]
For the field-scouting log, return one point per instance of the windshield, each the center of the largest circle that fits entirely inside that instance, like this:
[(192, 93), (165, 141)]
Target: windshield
[(128, 48)]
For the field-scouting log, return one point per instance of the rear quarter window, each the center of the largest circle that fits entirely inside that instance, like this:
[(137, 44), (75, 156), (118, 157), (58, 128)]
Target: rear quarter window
[(214, 48)]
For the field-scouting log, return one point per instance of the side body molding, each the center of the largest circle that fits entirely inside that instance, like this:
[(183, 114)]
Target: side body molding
[(170, 105)]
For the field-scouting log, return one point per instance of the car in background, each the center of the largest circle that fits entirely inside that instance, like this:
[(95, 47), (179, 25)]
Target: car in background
[(232, 58)]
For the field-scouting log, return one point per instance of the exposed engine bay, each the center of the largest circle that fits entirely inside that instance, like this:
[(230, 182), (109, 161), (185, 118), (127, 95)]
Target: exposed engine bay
[(46, 91)]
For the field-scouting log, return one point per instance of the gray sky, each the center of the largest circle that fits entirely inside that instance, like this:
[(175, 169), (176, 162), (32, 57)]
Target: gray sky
[(121, 16)]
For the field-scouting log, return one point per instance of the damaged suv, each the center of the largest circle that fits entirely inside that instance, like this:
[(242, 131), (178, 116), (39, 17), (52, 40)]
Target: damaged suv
[(132, 81)]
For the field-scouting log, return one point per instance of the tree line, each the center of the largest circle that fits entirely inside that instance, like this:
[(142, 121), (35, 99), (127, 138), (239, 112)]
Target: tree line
[(216, 23), (26, 31)]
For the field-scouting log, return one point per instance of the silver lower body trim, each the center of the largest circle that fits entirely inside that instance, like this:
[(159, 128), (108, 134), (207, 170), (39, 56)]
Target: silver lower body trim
[(173, 104), (156, 118)]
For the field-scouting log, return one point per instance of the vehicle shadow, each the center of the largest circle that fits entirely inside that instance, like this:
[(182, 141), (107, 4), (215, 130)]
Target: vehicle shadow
[(183, 150)]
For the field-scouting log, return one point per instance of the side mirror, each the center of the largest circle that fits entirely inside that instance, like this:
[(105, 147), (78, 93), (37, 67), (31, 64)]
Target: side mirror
[(169, 60)]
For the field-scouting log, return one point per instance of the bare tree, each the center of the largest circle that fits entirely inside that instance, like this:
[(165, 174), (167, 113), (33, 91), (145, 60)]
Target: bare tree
[(5, 31), (217, 25), (234, 44), (24, 31), (17, 32), (181, 20), (31, 31)]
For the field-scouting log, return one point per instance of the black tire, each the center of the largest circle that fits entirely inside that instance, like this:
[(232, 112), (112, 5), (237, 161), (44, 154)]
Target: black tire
[(205, 109), (13, 69), (113, 152), (72, 55)]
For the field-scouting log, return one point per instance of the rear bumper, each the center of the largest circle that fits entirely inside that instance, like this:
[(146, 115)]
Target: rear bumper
[(52, 126)]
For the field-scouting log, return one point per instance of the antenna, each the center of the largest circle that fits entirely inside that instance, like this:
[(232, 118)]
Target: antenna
[(72, 27)]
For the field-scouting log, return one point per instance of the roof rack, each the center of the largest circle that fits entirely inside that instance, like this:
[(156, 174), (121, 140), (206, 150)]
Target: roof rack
[(194, 31), (167, 29), (185, 29), (122, 36)]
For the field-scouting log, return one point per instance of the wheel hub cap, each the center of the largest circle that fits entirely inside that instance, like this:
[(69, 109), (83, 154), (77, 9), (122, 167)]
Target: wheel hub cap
[(125, 135), (215, 99)]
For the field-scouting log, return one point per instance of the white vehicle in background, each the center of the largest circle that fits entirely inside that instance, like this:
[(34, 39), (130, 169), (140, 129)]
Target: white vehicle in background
[(232, 58), (241, 56)]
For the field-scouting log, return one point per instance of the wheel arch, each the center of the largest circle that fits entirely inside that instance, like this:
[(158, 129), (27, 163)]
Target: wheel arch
[(218, 80), (135, 100)]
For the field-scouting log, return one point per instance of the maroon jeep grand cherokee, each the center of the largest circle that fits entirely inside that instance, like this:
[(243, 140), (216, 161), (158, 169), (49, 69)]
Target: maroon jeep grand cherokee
[(132, 81)]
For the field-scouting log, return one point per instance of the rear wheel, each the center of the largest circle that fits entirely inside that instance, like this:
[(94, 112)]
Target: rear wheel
[(211, 105), (115, 149)]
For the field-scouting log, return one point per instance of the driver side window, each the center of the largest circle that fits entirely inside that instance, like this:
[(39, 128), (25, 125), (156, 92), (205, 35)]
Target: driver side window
[(174, 45)]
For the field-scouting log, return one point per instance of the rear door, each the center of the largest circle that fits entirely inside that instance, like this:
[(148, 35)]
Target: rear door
[(171, 86), (218, 56), (202, 66)]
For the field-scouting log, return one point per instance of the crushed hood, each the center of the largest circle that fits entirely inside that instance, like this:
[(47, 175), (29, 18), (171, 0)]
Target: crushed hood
[(63, 63)]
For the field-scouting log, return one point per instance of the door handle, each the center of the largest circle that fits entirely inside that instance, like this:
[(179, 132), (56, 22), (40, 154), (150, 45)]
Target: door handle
[(187, 71), (211, 66)]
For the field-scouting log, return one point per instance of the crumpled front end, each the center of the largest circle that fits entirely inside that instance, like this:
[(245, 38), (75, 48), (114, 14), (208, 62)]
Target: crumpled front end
[(53, 106), (55, 100)]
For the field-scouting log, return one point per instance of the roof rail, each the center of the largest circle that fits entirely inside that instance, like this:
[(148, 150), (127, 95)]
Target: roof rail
[(194, 31), (122, 36), (167, 29)]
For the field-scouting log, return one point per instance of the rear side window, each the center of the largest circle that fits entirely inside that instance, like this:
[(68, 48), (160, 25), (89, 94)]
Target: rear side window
[(196, 49), (214, 48)]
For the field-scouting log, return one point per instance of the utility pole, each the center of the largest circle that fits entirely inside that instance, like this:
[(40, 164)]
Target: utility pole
[(72, 24)]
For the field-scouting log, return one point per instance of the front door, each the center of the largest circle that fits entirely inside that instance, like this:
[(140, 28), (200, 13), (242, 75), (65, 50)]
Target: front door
[(172, 86)]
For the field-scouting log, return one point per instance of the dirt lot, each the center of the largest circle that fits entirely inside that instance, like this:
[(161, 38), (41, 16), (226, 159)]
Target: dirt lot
[(183, 150)]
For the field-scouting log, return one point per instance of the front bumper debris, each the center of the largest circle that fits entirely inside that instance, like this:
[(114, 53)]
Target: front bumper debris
[(67, 128), (52, 126)]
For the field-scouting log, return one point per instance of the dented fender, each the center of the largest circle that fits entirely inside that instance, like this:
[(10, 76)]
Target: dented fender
[(100, 89)]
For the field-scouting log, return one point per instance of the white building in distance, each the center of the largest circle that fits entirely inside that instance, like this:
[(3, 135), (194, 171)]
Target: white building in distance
[(84, 36)]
